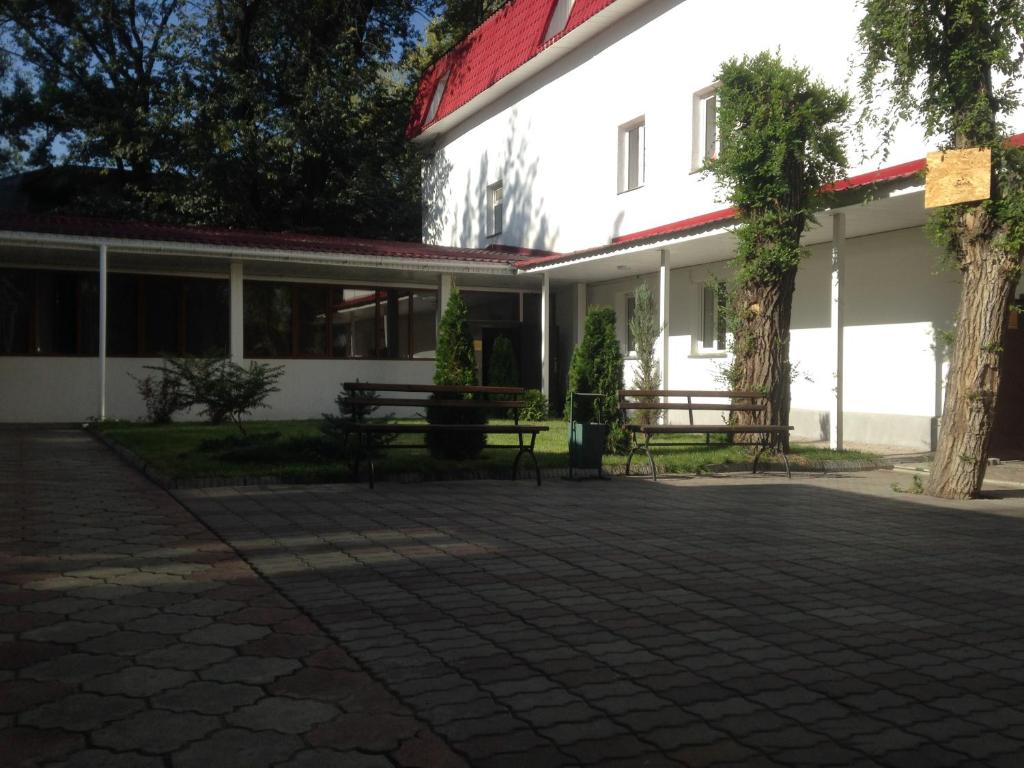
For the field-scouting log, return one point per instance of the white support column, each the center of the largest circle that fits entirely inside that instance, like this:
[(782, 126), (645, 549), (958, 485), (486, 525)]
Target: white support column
[(835, 436), (103, 332), (444, 292), (581, 311), (237, 313), (664, 312), (545, 337)]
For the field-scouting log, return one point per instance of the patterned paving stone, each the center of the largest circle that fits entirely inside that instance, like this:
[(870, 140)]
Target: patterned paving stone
[(208, 698), (30, 746), (184, 656), (283, 714), (81, 712), (139, 681), (238, 748), (155, 731), (229, 635), (254, 670)]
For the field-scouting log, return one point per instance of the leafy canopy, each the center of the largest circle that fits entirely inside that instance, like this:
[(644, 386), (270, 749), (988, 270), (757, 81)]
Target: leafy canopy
[(956, 66), (781, 138)]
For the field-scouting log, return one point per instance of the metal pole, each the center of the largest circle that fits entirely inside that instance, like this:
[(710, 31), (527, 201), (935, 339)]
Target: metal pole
[(237, 312), (545, 333), (835, 438), (103, 331)]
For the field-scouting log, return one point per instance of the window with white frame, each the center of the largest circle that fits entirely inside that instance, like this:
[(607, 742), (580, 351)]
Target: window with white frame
[(631, 155), (705, 125), (435, 101), (712, 323), (495, 208), (559, 18)]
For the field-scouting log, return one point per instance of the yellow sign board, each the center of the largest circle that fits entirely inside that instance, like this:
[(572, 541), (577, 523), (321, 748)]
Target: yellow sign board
[(958, 176)]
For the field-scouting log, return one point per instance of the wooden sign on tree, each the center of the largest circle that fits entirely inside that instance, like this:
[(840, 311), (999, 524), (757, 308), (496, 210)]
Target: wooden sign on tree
[(958, 176)]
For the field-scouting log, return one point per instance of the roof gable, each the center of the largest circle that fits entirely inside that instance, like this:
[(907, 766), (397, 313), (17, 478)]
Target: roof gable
[(505, 41)]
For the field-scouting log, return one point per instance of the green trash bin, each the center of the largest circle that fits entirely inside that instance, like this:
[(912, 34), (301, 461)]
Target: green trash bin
[(586, 438)]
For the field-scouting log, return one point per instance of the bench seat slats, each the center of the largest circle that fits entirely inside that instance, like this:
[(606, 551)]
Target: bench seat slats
[(700, 429), (631, 406), (689, 393), (496, 429), (422, 403), (360, 386)]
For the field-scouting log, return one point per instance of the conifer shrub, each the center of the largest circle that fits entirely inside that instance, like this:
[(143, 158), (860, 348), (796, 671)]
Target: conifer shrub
[(502, 369), (597, 367), (455, 365)]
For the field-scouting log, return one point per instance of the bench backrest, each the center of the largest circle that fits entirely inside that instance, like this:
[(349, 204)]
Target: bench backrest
[(362, 394), (695, 400)]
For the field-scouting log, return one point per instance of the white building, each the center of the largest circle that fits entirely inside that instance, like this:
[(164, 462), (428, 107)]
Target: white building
[(578, 128), (564, 140)]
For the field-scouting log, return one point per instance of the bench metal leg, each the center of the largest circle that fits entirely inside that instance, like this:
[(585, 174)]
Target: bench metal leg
[(650, 458), (527, 450)]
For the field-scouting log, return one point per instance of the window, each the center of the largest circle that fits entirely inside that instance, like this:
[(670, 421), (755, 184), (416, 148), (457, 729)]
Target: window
[(630, 314), (495, 208), (559, 18), (292, 320), (712, 328), (705, 126), (631, 155), (435, 101)]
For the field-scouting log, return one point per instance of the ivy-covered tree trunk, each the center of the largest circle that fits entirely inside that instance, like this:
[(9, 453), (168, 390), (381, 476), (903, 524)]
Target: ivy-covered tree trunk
[(989, 278), (761, 349)]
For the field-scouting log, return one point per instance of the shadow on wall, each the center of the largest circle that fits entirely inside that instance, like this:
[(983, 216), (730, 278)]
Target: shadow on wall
[(466, 222)]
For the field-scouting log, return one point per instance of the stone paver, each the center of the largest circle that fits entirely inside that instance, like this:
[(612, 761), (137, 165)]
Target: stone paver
[(130, 635), (714, 621)]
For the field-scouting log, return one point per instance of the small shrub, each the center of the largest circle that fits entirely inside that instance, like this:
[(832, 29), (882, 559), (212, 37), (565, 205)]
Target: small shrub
[(337, 429), (536, 408), (223, 390), (597, 367), (502, 369), (645, 329), (162, 394), (456, 365)]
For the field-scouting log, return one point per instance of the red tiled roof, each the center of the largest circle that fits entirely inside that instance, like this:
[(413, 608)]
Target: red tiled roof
[(112, 229), (505, 41), (677, 228)]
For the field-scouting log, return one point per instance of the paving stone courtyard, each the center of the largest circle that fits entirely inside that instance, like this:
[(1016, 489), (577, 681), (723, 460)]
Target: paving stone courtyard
[(692, 622)]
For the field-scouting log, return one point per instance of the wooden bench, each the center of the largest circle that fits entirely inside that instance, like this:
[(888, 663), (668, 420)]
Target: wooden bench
[(695, 401), (362, 396)]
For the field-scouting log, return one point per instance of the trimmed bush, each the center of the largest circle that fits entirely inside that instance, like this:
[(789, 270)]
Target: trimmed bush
[(502, 369), (162, 393), (456, 365), (597, 367)]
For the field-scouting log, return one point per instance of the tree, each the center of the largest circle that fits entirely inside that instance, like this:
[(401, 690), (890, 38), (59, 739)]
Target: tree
[(645, 331), (956, 66), (248, 113), (596, 366), (502, 368), (455, 365), (781, 139), (102, 75)]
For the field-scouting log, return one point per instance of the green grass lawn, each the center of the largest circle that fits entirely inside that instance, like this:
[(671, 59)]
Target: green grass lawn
[(292, 451)]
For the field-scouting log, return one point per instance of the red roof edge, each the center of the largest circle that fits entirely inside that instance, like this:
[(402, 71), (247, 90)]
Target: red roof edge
[(892, 173)]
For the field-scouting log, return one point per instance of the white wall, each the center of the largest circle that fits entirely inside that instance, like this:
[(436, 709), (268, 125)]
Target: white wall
[(897, 295), (66, 389), (553, 139)]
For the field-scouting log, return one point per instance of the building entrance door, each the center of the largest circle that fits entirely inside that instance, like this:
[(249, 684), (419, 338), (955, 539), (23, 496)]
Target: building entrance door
[(1008, 429)]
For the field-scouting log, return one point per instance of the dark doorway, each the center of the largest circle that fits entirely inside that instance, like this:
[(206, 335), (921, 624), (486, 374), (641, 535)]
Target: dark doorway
[(1008, 429)]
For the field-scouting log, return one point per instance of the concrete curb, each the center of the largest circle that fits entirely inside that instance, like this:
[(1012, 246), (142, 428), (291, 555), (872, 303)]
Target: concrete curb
[(549, 473)]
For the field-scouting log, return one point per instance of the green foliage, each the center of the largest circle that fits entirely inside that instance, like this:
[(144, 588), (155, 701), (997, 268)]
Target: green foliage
[(502, 369), (162, 394), (536, 408), (645, 331), (274, 115), (455, 365), (223, 390), (597, 367), (956, 67), (336, 428), (781, 139)]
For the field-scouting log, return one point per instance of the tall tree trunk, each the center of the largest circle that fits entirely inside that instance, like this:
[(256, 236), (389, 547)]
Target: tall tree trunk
[(762, 351), (989, 278)]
